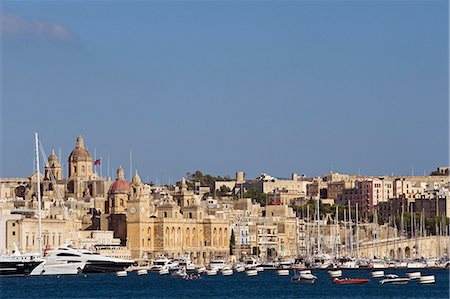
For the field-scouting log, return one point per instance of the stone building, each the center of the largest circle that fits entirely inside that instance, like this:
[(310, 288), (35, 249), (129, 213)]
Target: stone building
[(174, 226)]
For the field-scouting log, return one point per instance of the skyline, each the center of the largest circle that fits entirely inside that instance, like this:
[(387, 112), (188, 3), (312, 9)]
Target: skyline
[(221, 87)]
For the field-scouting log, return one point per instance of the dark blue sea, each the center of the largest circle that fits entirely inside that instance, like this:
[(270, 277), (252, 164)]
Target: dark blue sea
[(266, 285)]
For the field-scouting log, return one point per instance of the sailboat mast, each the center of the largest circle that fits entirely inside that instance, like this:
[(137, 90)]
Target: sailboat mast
[(357, 232), (36, 140), (336, 238), (318, 224), (350, 228), (345, 231), (308, 236)]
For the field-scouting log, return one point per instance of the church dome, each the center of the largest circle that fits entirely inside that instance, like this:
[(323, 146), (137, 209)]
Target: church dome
[(120, 185), (80, 152)]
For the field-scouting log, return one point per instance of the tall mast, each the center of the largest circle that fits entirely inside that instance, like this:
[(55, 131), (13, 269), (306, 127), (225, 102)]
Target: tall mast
[(357, 232), (336, 238), (350, 228), (36, 140), (345, 231), (308, 237), (318, 222)]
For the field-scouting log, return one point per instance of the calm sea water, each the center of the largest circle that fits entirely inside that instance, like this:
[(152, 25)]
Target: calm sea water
[(266, 285)]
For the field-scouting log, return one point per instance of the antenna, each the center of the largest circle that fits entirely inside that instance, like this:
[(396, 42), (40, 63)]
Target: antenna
[(131, 160)]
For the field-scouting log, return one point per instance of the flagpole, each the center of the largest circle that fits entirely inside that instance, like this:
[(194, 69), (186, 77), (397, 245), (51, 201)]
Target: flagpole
[(95, 160), (107, 168), (101, 167)]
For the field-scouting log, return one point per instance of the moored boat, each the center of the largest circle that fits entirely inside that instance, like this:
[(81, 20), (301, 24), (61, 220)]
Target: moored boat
[(428, 279), (304, 277), (283, 272), (350, 281), (394, 279), (335, 273)]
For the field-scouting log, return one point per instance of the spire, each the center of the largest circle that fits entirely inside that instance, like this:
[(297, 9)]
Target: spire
[(80, 141), (120, 174), (136, 179), (183, 183)]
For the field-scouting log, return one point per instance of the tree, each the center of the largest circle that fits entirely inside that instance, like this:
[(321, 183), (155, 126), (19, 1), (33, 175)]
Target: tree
[(232, 242), (256, 195)]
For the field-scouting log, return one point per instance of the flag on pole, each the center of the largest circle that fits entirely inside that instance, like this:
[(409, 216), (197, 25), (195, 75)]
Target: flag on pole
[(97, 162)]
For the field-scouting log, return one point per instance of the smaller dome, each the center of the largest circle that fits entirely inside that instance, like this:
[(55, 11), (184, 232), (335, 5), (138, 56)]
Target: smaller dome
[(120, 185)]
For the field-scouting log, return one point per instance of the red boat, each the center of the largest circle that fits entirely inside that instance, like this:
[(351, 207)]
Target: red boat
[(350, 281)]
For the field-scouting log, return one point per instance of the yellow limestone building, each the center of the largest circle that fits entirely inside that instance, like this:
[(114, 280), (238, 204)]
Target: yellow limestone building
[(174, 226)]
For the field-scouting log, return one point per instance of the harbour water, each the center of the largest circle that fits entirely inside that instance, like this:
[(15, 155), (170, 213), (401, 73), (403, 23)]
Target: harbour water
[(266, 285)]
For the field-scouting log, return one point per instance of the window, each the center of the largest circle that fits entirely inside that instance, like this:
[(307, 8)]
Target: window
[(13, 233), (165, 214)]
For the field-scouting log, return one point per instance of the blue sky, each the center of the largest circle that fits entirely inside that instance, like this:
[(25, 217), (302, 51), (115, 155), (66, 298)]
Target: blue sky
[(265, 86)]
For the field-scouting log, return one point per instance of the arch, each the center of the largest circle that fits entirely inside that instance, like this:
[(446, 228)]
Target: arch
[(214, 238), (179, 237), (194, 237), (399, 253), (172, 238), (220, 237), (187, 237), (83, 169), (225, 236), (407, 252), (166, 241), (392, 254)]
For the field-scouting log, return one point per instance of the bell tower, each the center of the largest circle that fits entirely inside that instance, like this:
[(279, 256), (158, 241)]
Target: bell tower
[(53, 167)]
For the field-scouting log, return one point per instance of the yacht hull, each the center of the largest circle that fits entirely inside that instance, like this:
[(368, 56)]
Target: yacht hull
[(17, 268)]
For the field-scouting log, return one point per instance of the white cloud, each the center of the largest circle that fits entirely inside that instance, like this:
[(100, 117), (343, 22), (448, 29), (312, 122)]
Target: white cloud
[(15, 25)]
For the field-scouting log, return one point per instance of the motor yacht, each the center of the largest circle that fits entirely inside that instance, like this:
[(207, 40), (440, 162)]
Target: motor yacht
[(304, 277), (251, 263), (217, 264), (95, 263), (18, 264), (394, 279), (163, 262)]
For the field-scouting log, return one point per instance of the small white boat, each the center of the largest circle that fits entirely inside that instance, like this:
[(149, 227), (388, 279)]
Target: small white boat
[(335, 273), (414, 275), (283, 272), (416, 265), (240, 268), (121, 273), (201, 270), (227, 272), (163, 271), (304, 278), (141, 272), (394, 279), (211, 272), (251, 272), (377, 274), (427, 279), (260, 269)]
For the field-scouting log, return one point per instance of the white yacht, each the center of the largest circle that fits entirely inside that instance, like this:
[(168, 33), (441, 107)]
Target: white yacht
[(185, 262), (217, 264), (163, 262), (251, 263), (95, 263)]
